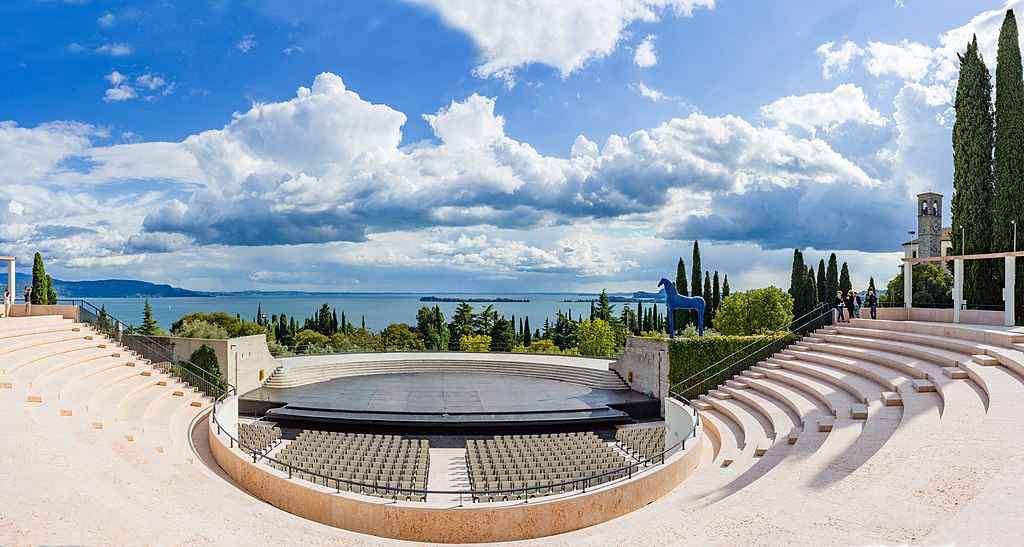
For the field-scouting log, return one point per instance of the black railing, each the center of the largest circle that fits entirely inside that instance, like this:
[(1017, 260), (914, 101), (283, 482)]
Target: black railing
[(523, 493), (158, 354), (329, 349), (742, 359)]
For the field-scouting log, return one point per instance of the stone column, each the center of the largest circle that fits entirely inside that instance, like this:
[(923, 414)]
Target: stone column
[(908, 287), (958, 288), (10, 276), (1009, 291)]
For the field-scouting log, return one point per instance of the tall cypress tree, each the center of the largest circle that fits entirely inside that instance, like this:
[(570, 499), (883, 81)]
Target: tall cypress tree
[(831, 278), (709, 310), (871, 285), (42, 284), (797, 282), (725, 287), (716, 292), (973, 181), (844, 279), (810, 290), (695, 265), (682, 317), (1009, 150), (823, 294)]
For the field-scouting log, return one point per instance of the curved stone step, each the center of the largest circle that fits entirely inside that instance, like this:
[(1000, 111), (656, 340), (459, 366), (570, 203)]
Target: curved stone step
[(757, 435), (25, 375), (807, 407), (15, 363), (39, 339), (103, 404), (838, 401), (782, 418), (976, 333), (729, 434), (860, 387)]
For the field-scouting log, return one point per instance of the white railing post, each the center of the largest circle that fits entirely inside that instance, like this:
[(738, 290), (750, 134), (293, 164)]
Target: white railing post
[(1009, 291), (908, 286), (958, 288)]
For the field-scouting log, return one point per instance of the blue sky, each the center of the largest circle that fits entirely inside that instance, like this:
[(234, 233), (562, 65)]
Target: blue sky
[(446, 145)]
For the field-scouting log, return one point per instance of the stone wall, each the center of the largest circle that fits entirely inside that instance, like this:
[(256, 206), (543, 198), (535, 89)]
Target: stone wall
[(646, 360), (241, 360)]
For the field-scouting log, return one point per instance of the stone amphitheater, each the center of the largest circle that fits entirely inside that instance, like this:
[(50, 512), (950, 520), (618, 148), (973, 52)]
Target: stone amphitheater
[(879, 432)]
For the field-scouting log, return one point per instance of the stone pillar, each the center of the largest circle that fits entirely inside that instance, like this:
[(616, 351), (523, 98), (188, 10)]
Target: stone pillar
[(10, 277), (958, 288), (908, 286), (1009, 291)]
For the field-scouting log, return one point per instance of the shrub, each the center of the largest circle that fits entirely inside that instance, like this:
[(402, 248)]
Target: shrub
[(597, 338), (475, 342), (308, 338), (688, 356), (206, 358), (757, 311), (400, 337), (201, 329)]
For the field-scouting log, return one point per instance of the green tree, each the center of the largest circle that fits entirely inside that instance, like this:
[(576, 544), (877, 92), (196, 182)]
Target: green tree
[(709, 310), (810, 294), (973, 181), (871, 285), (695, 277), (206, 358), (201, 329), (716, 291), (931, 286), (682, 317), (1009, 150), (429, 331), (565, 335), (462, 321), (400, 337), (831, 278), (797, 283), (364, 340), (756, 311), (844, 279), (149, 326), (483, 322), (475, 342), (725, 287), (42, 284), (605, 309), (307, 339), (527, 336), (597, 338), (503, 335), (823, 295)]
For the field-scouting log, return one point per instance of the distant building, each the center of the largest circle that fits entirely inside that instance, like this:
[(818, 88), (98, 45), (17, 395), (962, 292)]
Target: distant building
[(932, 239)]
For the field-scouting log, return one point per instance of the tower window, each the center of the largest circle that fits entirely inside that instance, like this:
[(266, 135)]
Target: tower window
[(924, 207), (935, 208)]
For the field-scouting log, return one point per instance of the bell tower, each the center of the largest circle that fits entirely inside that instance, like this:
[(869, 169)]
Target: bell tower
[(929, 225)]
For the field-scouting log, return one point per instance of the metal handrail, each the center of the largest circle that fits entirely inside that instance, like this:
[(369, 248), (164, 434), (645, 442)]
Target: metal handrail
[(473, 494), (773, 335), (210, 383)]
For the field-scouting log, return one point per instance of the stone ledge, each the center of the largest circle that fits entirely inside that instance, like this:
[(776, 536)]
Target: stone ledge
[(794, 434), (859, 412), (891, 398), (923, 386), (955, 373), (985, 360), (825, 424)]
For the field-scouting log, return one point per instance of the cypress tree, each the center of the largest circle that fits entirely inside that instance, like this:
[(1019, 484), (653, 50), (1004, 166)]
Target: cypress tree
[(810, 291), (725, 287), (682, 317), (871, 285), (695, 276), (709, 310), (844, 280), (797, 282), (822, 294), (41, 284), (716, 292), (973, 182), (831, 278), (526, 333), (1008, 163)]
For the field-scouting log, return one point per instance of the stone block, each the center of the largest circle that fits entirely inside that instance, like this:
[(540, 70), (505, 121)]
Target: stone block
[(97, 425), (76, 329), (6, 385), (859, 412), (130, 364), (770, 365), (785, 357), (719, 394), (89, 337), (702, 405), (985, 360), (825, 424), (726, 462), (115, 355), (753, 374), (35, 398), (797, 347), (178, 394), (162, 383), (794, 434), (66, 412), (196, 404), (923, 386), (737, 384), (955, 373), (813, 339), (102, 346), (759, 450), (147, 373), (891, 398)]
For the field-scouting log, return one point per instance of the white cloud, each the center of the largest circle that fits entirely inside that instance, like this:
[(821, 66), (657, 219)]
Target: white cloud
[(115, 50), (15, 207), (907, 60), (648, 93), (837, 61), (564, 34), (148, 86), (28, 154), (246, 43), (470, 123), (846, 103), (645, 56), (74, 47), (107, 20), (293, 49)]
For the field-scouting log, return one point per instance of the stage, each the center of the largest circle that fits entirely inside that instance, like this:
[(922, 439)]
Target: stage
[(443, 400)]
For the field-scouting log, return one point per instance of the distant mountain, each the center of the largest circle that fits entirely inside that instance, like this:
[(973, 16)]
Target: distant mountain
[(109, 288), (644, 295)]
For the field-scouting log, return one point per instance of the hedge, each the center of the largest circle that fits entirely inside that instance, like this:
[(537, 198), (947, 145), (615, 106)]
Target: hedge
[(688, 356)]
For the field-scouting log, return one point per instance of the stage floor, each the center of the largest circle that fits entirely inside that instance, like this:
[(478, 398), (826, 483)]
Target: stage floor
[(440, 398)]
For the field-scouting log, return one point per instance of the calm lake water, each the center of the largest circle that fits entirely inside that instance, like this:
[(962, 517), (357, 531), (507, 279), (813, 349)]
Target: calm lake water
[(379, 309)]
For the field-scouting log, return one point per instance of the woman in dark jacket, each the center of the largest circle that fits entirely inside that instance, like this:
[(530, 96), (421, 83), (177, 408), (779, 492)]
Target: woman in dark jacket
[(839, 307), (872, 302), (851, 303)]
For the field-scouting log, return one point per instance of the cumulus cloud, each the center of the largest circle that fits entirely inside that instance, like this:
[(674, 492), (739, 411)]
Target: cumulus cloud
[(846, 103), (107, 20), (564, 34), (115, 50), (28, 154), (147, 86), (907, 60), (836, 61), (645, 56), (470, 123), (293, 50)]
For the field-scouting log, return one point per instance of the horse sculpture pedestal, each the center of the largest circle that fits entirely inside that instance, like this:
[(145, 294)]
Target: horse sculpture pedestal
[(675, 301)]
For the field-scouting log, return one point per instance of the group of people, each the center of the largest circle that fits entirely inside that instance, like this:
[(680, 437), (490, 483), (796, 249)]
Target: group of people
[(852, 302), (9, 301)]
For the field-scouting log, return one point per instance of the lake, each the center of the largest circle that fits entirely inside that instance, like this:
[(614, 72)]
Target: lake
[(379, 309)]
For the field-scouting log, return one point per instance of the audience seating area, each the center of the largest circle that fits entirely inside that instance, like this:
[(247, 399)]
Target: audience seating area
[(533, 462), (385, 461), (257, 438), (642, 442)]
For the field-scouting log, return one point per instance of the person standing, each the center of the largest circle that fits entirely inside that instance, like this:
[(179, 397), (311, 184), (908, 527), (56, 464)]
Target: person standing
[(849, 304), (28, 300), (7, 303), (872, 302), (839, 306), (856, 304)]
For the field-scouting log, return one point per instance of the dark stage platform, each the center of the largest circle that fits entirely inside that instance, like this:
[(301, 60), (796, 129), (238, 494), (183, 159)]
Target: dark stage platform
[(441, 400)]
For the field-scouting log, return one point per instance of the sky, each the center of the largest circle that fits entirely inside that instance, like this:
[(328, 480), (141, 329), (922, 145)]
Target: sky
[(461, 145)]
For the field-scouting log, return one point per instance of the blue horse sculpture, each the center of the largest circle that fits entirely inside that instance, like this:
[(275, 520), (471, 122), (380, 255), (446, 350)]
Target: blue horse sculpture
[(675, 301)]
